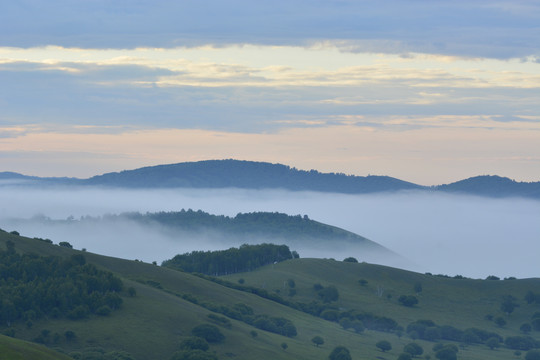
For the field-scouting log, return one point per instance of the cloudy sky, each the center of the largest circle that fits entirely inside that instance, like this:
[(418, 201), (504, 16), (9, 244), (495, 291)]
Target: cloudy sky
[(426, 91)]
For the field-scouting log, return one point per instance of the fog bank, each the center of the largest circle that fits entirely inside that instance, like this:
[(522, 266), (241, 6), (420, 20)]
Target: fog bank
[(439, 233)]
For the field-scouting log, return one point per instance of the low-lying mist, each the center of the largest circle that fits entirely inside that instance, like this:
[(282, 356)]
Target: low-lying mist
[(438, 233)]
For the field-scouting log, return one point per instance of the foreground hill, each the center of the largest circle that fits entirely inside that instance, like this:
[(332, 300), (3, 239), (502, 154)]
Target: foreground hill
[(262, 175), (165, 305), (14, 349)]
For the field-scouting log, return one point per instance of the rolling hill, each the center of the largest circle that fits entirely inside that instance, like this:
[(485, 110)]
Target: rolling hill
[(167, 304), (214, 174), (186, 228), (15, 349), (493, 186)]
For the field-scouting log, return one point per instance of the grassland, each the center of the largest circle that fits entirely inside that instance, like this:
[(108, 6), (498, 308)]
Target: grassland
[(151, 324), (15, 349)]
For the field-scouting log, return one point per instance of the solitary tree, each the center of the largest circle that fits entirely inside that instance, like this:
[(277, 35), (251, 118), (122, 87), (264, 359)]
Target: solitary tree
[(404, 356), (384, 345), (358, 326), (70, 335), (414, 349), (446, 353), (317, 340), (500, 321), (408, 300), (508, 305), (493, 342), (530, 297), (329, 293), (284, 346), (340, 353), (208, 332)]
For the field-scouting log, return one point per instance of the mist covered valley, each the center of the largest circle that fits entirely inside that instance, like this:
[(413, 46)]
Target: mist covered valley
[(432, 232)]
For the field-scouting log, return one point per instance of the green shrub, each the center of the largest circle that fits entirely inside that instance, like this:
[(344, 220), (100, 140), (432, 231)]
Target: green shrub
[(103, 310), (193, 355), (384, 345), (340, 353), (208, 332), (408, 300), (194, 343)]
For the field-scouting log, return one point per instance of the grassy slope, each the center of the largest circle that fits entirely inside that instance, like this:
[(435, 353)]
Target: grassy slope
[(151, 325), (461, 303), (15, 349)]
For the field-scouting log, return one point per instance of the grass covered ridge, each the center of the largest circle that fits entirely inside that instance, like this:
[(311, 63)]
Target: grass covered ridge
[(15, 349), (168, 304)]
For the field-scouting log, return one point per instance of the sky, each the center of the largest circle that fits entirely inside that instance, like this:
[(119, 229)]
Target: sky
[(425, 91)]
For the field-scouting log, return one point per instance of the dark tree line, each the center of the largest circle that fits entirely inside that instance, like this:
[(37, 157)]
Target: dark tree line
[(316, 308), (428, 330), (233, 260), (32, 286), (244, 313)]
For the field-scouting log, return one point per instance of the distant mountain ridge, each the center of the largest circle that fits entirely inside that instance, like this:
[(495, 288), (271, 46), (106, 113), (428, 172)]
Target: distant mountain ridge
[(247, 175), (492, 185), (263, 175)]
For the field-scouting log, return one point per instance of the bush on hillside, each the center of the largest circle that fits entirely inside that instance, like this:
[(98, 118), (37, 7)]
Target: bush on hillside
[(328, 294), (194, 343), (340, 353), (193, 355), (414, 349), (408, 300), (208, 332), (317, 340), (384, 345)]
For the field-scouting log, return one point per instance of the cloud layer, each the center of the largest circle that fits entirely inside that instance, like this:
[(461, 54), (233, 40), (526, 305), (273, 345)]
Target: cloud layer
[(439, 233), (501, 29), (255, 89)]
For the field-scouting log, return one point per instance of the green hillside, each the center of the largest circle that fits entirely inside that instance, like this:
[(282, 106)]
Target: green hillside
[(458, 302), (168, 304), (15, 349)]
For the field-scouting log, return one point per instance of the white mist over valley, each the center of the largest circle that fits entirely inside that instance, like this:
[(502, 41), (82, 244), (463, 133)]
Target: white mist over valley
[(437, 233)]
